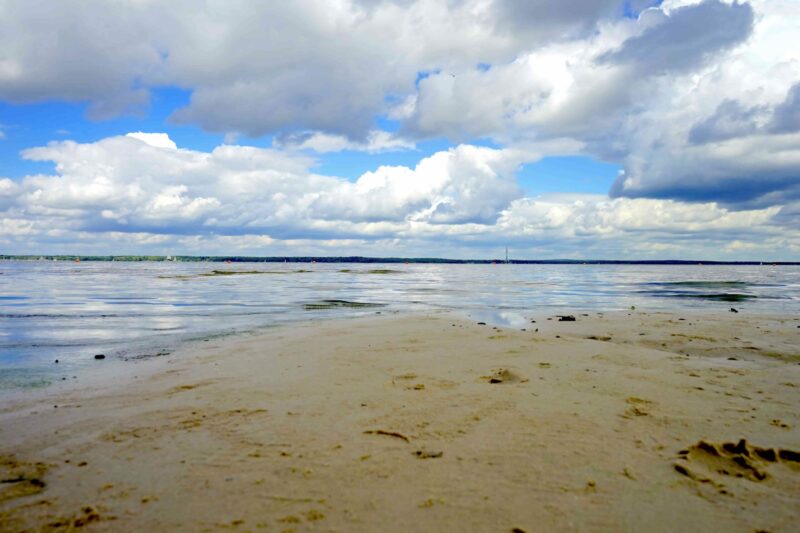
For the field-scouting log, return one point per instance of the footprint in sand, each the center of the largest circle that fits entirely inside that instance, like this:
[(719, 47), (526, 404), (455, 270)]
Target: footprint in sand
[(638, 407), (705, 462), (18, 478)]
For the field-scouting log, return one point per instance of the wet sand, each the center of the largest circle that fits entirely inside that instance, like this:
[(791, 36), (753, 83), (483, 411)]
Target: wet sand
[(621, 421)]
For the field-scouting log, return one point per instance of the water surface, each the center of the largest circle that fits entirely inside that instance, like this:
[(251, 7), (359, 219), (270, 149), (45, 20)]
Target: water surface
[(70, 311)]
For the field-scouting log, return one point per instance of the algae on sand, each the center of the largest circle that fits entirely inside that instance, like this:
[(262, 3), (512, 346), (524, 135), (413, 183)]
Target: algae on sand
[(237, 272), (372, 271), (215, 273), (332, 304)]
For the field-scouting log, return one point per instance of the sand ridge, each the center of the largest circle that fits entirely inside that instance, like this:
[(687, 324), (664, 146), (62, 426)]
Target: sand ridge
[(616, 421)]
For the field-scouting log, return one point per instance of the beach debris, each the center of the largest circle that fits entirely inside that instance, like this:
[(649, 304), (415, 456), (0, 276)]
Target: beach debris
[(733, 310), (56, 361), (504, 375), (423, 454), (100, 356), (481, 323), (387, 433), (566, 318), (160, 353)]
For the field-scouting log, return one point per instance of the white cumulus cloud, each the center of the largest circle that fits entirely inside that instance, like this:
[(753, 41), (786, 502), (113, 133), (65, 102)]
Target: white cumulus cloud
[(156, 197)]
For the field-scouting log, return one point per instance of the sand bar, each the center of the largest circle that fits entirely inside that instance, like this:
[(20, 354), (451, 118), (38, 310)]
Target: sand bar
[(620, 421)]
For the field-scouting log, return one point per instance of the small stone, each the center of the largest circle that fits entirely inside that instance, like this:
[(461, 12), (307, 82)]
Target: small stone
[(734, 310), (481, 323), (422, 454), (56, 361), (99, 356), (566, 318)]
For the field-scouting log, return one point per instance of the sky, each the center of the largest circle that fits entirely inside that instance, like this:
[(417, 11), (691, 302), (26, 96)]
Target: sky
[(608, 129)]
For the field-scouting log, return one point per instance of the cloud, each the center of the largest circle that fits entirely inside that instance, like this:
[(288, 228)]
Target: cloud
[(280, 67), (376, 141), (786, 117), (543, 20), (157, 140), (142, 194), (143, 182), (697, 100), (257, 68), (730, 120), (585, 88), (759, 170), (94, 52), (684, 38)]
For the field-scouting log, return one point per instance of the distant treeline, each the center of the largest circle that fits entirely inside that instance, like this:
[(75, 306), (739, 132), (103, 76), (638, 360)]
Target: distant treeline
[(360, 259)]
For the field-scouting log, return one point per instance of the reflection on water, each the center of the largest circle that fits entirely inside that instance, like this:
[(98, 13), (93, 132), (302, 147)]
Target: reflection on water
[(509, 319), (61, 310)]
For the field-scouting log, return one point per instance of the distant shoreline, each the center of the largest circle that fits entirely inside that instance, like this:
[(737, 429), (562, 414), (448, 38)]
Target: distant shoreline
[(361, 259)]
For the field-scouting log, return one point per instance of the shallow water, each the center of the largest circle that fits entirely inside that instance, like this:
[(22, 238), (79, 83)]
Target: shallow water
[(71, 311)]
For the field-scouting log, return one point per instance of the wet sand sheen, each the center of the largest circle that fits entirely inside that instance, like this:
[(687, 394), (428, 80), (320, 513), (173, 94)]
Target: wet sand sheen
[(400, 423)]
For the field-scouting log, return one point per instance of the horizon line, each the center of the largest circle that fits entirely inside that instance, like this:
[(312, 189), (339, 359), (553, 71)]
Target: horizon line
[(371, 259)]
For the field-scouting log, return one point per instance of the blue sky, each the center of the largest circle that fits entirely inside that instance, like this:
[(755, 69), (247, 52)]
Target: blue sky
[(633, 129), (32, 125)]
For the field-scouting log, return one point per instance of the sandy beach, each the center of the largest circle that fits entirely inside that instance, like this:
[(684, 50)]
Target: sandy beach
[(624, 421)]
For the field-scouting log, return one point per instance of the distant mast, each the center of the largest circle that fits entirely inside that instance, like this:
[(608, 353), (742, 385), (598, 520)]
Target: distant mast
[(506, 254)]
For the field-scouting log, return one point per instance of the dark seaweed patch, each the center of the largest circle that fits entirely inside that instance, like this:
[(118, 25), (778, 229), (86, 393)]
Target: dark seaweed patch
[(217, 273), (720, 291), (715, 296), (333, 304), (705, 284), (371, 271)]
